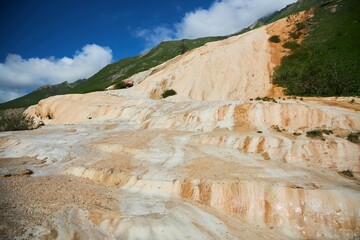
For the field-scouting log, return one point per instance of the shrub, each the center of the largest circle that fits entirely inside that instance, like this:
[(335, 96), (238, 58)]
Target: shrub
[(300, 26), (327, 132), (354, 137), (122, 85), (15, 122), (318, 133), (346, 173), (168, 93), (275, 39), (295, 35), (314, 133), (291, 45), (266, 99)]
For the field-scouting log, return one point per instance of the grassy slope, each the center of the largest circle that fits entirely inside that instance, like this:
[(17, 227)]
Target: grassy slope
[(327, 63), (125, 68), (114, 72), (35, 96), (296, 7)]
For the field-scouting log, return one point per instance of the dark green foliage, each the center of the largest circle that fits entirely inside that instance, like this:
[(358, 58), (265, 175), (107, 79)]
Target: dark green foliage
[(300, 26), (40, 93), (327, 62), (318, 133), (15, 121), (274, 39), (327, 132), (266, 99), (295, 35), (168, 93), (291, 45), (354, 137), (314, 133), (183, 48), (346, 173), (120, 85)]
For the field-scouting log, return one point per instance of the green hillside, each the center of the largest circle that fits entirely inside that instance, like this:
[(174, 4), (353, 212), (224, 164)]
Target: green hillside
[(296, 7), (113, 73), (328, 61), (40, 93)]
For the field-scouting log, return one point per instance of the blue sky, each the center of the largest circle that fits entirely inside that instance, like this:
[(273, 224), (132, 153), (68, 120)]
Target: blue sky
[(47, 42)]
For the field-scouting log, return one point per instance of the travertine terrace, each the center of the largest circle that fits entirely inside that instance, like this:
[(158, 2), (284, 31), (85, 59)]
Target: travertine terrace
[(207, 163)]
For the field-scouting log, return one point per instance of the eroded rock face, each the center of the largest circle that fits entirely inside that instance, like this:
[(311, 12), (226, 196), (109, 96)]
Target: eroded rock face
[(125, 165)]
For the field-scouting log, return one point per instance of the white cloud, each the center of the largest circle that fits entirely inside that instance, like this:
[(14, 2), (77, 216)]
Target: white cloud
[(222, 18), (18, 74), (155, 36), (8, 94)]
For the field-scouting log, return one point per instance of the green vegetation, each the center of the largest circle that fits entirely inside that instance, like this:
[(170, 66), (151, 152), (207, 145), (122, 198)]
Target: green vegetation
[(346, 173), (120, 85), (354, 137), (296, 7), (168, 93), (113, 73), (15, 121), (291, 45), (40, 93), (300, 26), (266, 99), (116, 72), (274, 39), (318, 133), (327, 62), (299, 6)]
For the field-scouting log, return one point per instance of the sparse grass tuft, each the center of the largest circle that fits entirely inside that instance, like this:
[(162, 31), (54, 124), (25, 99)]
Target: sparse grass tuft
[(266, 99), (291, 45), (15, 122), (314, 133), (318, 133), (274, 39), (168, 93), (354, 137), (347, 174)]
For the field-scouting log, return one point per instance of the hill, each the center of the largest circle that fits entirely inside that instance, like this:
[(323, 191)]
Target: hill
[(40, 93), (327, 62), (113, 73), (116, 72)]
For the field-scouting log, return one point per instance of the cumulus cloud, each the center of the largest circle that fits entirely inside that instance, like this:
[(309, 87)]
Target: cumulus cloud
[(223, 17), (8, 94), (154, 36), (18, 74)]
